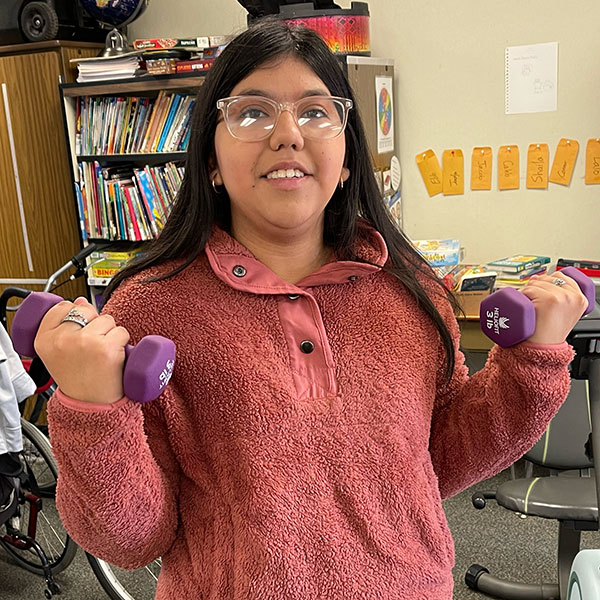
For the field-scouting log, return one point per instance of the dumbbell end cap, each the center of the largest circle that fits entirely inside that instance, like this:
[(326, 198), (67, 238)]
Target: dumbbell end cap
[(27, 320), (585, 283), (507, 317), (148, 368)]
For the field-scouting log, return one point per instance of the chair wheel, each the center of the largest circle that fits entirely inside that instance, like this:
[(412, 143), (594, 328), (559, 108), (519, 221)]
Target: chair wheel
[(48, 594), (474, 572), (54, 588), (478, 502)]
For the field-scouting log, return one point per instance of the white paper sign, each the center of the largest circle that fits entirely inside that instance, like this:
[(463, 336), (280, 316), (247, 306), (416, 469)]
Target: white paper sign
[(531, 75), (385, 114)]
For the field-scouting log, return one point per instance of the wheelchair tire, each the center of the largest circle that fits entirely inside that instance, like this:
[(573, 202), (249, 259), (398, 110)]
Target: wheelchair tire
[(42, 469), (121, 584)]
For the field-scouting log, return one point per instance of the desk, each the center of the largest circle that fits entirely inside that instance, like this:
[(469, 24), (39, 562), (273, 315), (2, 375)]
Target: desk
[(471, 336), (474, 343)]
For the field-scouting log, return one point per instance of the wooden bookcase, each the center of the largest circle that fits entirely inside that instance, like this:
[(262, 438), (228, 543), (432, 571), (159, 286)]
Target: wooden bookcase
[(144, 86), (38, 226)]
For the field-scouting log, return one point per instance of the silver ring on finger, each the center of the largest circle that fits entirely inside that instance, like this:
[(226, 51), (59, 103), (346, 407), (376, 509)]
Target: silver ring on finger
[(559, 281), (75, 316)]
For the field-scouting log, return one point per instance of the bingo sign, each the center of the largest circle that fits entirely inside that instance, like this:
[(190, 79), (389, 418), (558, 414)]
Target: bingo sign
[(385, 112)]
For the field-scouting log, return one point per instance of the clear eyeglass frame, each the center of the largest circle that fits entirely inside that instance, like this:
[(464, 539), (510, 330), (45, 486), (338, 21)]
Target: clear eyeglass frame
[(343, 105)]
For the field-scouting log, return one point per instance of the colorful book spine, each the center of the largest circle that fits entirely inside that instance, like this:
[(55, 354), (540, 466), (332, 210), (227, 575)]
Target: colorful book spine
[(168, 122), (81, 212), (153, 122), (522, 275), (146, 194), (135, 233)]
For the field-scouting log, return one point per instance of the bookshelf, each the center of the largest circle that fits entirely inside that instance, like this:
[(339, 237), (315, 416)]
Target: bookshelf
[(127, 143)]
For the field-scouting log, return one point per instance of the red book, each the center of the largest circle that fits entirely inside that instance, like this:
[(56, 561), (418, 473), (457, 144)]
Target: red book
[(134, 223)]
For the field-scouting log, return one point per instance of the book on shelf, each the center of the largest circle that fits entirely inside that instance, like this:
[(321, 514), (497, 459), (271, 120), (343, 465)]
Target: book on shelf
[(196, 44), (521, 276), (170, 111), (82, 212), (198, 64), (117, 125), (153, 117), (105, 263), (519, 262), (124, 202)]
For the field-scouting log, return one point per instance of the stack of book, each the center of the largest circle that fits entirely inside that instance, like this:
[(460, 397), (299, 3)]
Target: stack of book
[(517, 270), (203, 50), (106, 263), (125, 202), (122, 125)]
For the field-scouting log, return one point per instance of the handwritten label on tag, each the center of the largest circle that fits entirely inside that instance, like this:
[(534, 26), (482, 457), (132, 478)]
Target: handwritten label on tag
[(508, 168), (431, 172), (592, 161), (481, 168), (537, 166), (453, 172), (564, 161)]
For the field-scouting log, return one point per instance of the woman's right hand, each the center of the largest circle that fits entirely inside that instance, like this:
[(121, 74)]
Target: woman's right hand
[(85, 362)]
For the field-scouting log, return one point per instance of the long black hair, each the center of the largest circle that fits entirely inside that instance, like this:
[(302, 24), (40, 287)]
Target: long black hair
[(198, 207)]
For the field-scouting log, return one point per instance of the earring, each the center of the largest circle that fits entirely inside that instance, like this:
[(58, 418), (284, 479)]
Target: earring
[(214, 185), (341, 182)]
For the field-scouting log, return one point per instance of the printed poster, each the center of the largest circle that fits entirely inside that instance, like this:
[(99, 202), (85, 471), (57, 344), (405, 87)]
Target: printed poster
[(385, 114)]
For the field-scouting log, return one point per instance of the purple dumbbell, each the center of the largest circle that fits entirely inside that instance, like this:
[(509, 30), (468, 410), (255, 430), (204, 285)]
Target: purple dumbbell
[(508, 316), (148, 365)]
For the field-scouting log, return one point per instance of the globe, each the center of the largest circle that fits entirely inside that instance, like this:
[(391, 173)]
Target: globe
[(116, 13)]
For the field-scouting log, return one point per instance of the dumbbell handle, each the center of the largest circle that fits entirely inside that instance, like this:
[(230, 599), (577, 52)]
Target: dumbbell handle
[(508, 316), (148, 365)]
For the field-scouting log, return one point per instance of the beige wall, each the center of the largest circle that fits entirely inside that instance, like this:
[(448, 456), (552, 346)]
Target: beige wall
[(449, 84)]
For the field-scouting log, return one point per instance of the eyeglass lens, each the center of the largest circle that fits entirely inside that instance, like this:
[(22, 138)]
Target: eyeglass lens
[(254, 118)]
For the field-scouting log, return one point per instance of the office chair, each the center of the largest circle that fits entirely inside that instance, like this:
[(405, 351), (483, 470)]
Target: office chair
[(568, 494)]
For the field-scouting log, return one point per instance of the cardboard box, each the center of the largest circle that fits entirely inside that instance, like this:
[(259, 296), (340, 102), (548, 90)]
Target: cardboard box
[(470, 301)]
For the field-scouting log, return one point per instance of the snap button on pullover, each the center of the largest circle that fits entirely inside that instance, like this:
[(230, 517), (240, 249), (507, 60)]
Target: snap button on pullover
[(307, 346), (239, 271), (293, 296), (353, 277)]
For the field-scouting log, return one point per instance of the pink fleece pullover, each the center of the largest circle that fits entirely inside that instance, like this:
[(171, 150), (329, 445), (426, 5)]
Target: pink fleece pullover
[(306, 440)]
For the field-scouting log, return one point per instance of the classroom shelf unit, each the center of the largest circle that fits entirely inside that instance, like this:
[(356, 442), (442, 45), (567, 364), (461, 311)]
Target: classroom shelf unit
[(127, 140)]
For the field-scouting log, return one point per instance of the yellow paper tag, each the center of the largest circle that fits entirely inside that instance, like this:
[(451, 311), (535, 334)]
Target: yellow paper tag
[(592, 161), (430, 171), (508, 168), (453, 172), (564, 161), (537, 166), (481, 168)]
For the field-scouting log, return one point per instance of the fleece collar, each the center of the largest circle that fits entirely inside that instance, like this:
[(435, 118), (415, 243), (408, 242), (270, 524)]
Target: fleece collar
[(234, 264)]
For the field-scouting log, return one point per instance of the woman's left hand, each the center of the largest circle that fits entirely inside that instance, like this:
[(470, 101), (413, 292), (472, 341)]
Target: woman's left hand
[(557, 307)]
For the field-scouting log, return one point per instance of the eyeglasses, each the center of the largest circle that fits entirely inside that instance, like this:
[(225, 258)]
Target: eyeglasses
[(253, 118)]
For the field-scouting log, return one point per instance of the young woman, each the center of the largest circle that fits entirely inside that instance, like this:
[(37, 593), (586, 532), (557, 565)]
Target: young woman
[(319, 408)]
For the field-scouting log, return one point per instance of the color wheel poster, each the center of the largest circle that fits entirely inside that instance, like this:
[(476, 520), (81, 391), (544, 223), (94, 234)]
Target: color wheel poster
[(385, 112)]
